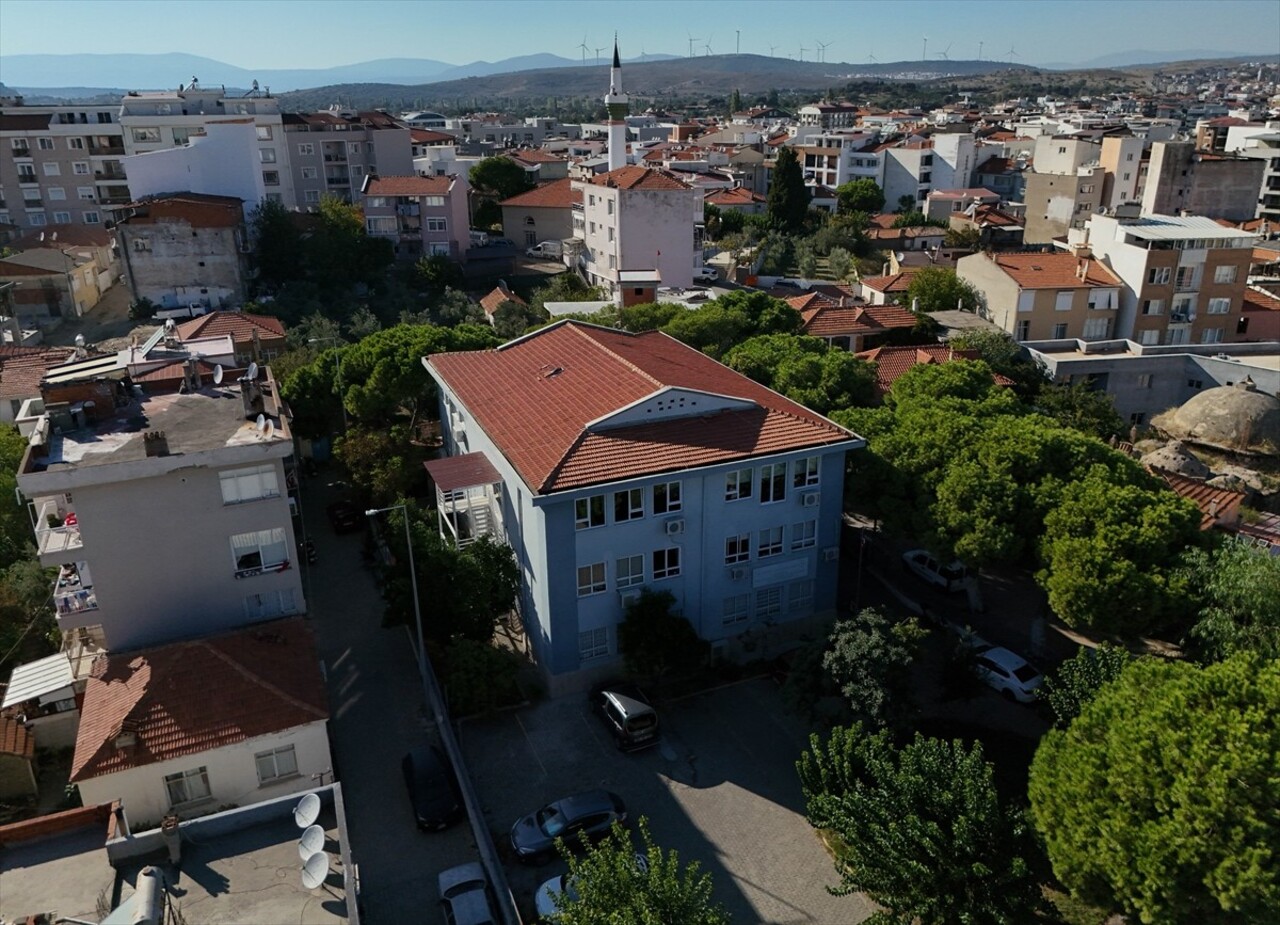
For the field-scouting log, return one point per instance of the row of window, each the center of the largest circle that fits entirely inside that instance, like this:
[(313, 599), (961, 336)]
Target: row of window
[(40, 220), (58, 194), (186, 787), (27, 172), (389, 224), (1188, 276), (737, 548), (1174, 336)]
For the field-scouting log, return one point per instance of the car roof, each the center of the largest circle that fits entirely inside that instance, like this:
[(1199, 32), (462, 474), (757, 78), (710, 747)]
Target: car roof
[(463, 873), (1004, 658), (589, 801)]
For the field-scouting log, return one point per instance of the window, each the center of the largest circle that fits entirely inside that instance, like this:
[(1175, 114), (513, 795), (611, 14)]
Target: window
[(773, 482), (1062, 302), (666, 562), (1186, 278), (804, 472), (610, 230), (591, 579), (44, 144), (275, 764), (269, 604), (737, 485), (1152, 306), (311, 196), (1059, 331), (1224, 274), (437, 224), (270, 178), (666, 498), (737, 549), (800, 596), (62, 218), (1216, 306), (56, 193), (1023, 330), (1158, 276), (307, 148), (239, 485), (146, 135), (376, 202), (770, 542), (92, 218), (310, 173), (628, 505), (769, 603), (37, 219), (75, 144), (804, 534), (589, 512), (1137, 418), (26, 173), (1149, 337), (736, 609), (609, 206), (264, 132), (1097, 329), (433, 201), (1211, 336), (353, 147), (593, 643), (381, 224), (260, 550), (629, 571), (84, 192), (80, 168), (267, 155), (52, 170), (1144, 380), (188, 786)]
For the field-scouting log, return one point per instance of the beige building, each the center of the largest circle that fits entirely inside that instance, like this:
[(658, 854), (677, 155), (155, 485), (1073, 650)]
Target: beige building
[(1213, 185), (541, 214), (1064, 187), (1124, 164), (1045, 296)]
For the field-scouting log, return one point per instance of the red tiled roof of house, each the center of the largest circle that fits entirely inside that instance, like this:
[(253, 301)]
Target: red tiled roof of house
[(240, 325), (992, 215), (1265, 255), (408, 186), (499, 295), (536, 395), (882, 220), (1054, 271), (729, 198), (174, 371), (894, 282), (190, 697), (892, 362), (1211, 501), (422, 136), (1262, 309), (826, 319), (558, 194), (15, 739), (200, 210), (20, 373), (630, 178), (536, 156), (837, 291)]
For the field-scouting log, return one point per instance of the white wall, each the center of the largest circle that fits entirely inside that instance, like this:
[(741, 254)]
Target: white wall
[(233, 776), (225, 162)]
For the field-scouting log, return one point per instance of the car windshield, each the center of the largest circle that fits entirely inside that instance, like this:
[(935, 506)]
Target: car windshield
[(551, 821), (1026, 673), (641, 723)]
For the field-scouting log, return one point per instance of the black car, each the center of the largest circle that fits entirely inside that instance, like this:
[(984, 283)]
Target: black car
[(345, 516), (589, 814), (433, 789), (626, 713)]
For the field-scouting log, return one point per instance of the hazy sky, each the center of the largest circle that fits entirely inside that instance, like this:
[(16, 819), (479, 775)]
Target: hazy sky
[(318, 33)]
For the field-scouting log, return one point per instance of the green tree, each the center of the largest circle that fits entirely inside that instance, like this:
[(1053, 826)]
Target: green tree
[(338, 253), (869, 658), (939, 289), (648, 316), (787, 204), (717, 326), (480, 677), (1005, 356), (735, 102), (906, 203), (912, 219), (655, 642), (1237, 597), (16, 540), (839, 262), (277, 244), (806, 260), (383, 461), (1074, 684), (499, 178), (759, 357), (1160, 798), (610, 886), (564, 287), (862, 195), (967, 238), (511, 319), (921, 830), (437, 272), (1081, 406)]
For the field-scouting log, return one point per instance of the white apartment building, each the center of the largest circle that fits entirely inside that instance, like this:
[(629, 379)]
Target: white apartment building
[(915, 167), (222, 162)]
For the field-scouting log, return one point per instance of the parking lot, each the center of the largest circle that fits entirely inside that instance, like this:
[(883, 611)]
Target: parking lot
[(720, 789)]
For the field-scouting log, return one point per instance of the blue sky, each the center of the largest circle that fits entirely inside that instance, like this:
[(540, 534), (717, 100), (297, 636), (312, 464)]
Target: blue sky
[(297, 33)]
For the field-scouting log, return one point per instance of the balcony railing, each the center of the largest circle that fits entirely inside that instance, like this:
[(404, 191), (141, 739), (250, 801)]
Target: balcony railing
[(105, 150), (109, 174), (56, 531), (335, 158), (22, 151)]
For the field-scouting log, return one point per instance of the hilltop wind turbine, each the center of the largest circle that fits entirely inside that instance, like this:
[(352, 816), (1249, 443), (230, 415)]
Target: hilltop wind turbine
[(706, 46), (872, 58), (943, 54), (980, 44), (598, 50), (772, 49), (691, 41), (822, 49), (924, 52), (585, 48), (1012, 54), (802, 51)]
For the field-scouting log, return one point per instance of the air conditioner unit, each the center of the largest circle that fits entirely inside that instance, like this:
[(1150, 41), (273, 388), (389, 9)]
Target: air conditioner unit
[(629, 597), (810, 499), (674, 527), (831, 554), (737, 574)]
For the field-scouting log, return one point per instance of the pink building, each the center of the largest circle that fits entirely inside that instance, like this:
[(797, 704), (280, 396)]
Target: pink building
[(421, 216)]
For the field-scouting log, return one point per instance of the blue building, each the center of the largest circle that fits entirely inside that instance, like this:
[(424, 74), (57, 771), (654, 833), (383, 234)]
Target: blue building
[(613, 462)]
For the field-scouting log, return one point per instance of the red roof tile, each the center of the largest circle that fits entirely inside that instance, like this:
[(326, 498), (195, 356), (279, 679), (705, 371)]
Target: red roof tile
[(174, 371), (558, 194), (1054, 271), (499, 295), (829, 320), (894, 282), (629, 178), (1213, 502), (194, 696), (240, 325), (15, 739), (536, 156), (20, 374), (422, 136), (536, 395), (200, 210), (892, 362), (451, 473), (408, 186), (1262, 310)]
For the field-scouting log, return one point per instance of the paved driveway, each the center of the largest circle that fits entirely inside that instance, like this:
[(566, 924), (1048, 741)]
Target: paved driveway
[(721, 789), (377, 711)]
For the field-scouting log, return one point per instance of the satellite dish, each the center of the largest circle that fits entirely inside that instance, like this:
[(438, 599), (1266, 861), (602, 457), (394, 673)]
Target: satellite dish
[(315, 870), (253, 371), (271, 429), (80, 340), (217, 374), (261, 423), (307, 810), (311, 843), (169, 325)]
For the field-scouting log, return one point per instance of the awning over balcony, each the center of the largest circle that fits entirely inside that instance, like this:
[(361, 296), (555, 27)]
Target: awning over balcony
[(39, 679), (467, 491), (453, 473)]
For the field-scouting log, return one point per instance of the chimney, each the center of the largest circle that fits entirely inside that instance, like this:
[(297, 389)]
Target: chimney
[(191, 369), (257, 345), (156, 443), (251, 395), (171, 832)]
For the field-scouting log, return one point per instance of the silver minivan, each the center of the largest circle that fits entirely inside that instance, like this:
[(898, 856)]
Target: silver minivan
[(627, 713)]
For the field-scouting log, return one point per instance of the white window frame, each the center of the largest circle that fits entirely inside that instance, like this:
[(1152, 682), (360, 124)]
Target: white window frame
[(738, 485), (591, 579), (92, 218), (311, 196), (593, 643), (56, 194), (436, 223), (1062, 302), (306, 148), (75, 143), (264, 132), (628, 505), (44, 143), (773, 483), (433, 201), (178, 787), (804, 472), (80, 168), (588, 512), (278, 760), (255, 483), (800, 596), (271, 546), (63, 218), (736, 609), (310, 173), (1153, 306), (770, 543), (268, 604), (1224, 274), (769, 602), (52, 169), (666, 562), (737, 549), (85, 192), (629, 571), (667, 498), (1159, 276), (804, 535), (1219, 306)]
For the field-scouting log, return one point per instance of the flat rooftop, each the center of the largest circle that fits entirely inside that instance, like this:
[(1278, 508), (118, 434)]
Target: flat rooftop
[(209, 419), (64, 874)]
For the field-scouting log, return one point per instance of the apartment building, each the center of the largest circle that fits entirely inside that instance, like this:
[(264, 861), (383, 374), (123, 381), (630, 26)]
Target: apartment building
[(1184, 276), (544, 213), (421, 216), (615, 462), (224, 161), (1124, 163), (915, 167), (331, 152), (1182, 179), (829, 116), (59, 164), (1045, 296), (1262, 143), (835, 158), (1063, 188)]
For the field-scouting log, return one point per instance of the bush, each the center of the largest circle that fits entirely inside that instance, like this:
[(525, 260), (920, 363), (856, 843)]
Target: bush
[(480, 678), (142, 309)]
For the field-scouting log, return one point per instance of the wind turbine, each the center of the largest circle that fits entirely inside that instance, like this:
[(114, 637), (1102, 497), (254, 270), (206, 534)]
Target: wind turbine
[(943, 54), (598, 50), (1012, 54), (872, 58), (772, 49), (802, 51), (980, 44), (585, 48), (691, 41), (924, 52), (822, 49), (706, 46)]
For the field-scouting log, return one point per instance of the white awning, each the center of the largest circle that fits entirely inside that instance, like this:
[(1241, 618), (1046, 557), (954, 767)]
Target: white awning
[(39, 678)]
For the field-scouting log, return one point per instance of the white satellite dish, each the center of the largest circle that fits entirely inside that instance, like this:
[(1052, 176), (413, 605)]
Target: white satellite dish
[(261, 423), (217, 374), (315, 870), (307, 811), (169, 325), (253, 371), (271, 429), (312, 842)]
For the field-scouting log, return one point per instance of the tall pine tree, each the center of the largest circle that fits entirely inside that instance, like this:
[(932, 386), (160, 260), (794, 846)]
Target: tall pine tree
[(788, 201)]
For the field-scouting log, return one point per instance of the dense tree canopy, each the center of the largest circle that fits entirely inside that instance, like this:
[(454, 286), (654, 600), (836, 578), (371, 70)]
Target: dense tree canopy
[(1074, 684), (719, 325), (1160, 798), (805, 370), (863, 195), (921, 829), (1236, 598), (868, 657), (940, 289), (499, 177), (787, 204)]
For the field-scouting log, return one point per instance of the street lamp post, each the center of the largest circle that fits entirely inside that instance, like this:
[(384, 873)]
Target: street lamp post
[(417, 610), (337, 356)]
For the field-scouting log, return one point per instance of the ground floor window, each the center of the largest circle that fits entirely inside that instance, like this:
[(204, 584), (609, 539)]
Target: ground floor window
[(188, 786), (276, 763), (593, 643), (769, 603), (736, 609)]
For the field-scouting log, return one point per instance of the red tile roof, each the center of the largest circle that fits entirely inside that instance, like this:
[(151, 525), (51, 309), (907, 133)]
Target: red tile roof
[(536, 156), (496, 297), (20, 374), (731, 198), (649, 178), (422, 136), (451, 473), (1262, 309), (894, 282), (200, 210), (558, 194), (1212, 502), (408, 186), (240, 325), (892, 362), (1055, 271), (536, 395), (174, 371), (829, 320), (15, 739), (191, 697)]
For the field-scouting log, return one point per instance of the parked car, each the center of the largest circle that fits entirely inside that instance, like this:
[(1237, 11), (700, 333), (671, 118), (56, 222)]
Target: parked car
[(345, 516), (464, 896), (587, 814), (705, 274), (1007, 672), (627, 713), (948, 577), (545, 249), (433, 789), (544, 902)]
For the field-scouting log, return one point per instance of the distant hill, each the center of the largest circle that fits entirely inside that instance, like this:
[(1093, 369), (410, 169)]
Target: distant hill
[(1121, 59)]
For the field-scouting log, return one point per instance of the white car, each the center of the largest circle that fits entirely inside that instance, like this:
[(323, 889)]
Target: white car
[(705, 274), (545, 903), (949, 577), (1007, 672)]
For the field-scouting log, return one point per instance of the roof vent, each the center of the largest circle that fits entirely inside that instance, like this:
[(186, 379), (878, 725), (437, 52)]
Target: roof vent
[(549, 372)]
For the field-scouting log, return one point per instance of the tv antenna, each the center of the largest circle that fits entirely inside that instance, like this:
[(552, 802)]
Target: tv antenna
[(217, 374), (308, 809), (872, 58)]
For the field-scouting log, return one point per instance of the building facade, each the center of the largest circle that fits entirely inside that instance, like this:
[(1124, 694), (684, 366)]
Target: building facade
[(330, 153), (420, 216)]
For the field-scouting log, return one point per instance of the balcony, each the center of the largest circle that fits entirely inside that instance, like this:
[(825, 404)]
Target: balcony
[(106, 150), (108, 173), (22, 151), (335, 158), (57, 531), (338, 180), (113, 199)]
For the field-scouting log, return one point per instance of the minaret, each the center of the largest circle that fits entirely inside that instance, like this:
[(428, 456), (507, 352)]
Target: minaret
[(616, 102)]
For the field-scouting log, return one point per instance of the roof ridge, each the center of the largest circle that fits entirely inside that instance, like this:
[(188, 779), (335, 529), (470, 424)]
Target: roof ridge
[(261, 681), (617, 356)]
